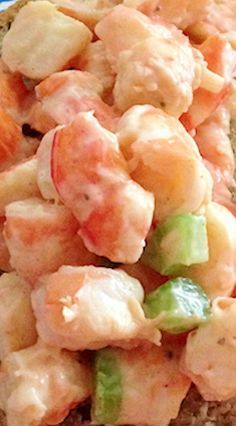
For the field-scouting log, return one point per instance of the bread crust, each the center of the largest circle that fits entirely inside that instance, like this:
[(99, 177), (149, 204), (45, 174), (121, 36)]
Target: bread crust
[(194, 411)]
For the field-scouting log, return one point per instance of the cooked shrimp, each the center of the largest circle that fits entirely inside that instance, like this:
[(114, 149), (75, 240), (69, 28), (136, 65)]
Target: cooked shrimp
[(213, 141), (123, 27), (15, 98), (18, 182), (50, 35), (90, 307), (44, 178), (4, 253), (214, 145), (217, 276), (17, 322), (90, 175), (11, 141), (87, 11), (155, 63), (220, 58), (165, 160), (40, 384), (63, 95), (209, 356), (152, 385), (223, 186), (93, 59), (41, 237)]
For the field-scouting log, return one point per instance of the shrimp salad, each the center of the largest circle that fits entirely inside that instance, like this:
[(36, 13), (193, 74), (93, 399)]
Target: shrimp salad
[(117, 218)]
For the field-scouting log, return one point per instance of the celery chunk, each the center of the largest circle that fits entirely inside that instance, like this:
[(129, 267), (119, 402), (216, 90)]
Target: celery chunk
[(183, 303), (177, 242), (107, 387)]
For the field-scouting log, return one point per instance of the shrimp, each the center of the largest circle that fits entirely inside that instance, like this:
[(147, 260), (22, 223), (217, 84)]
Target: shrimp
[(209, 357), (93, 60), (40, 384), (123, 27), (223, 187), (214, 145), (4, 253), (11, 141), (220, 58), (87, 11), (15, 313), (20, 103), (47, 35), (41, 237), (18, 182), (152, 387), (217, 276), (90, 175), (15, 98), (63, 95), (165, 160), (90, 307), (155, 63)]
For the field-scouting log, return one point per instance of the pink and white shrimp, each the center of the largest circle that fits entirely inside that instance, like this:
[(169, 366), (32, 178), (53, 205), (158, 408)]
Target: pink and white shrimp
[(17, 321), (18, 182), (165, 160), (91, 177), (41, 237), (221, 59), (214, 145), (91, 307), (209, 355), (181, 13), (12, 142), (41, 384), (63, 95)]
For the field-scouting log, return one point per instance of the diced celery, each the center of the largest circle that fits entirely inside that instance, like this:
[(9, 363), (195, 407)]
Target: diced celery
[(183, 303), (177, 242), (107, 387)]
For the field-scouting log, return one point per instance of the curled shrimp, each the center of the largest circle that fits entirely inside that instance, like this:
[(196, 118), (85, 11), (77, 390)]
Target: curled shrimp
[(90, 175), (217, 276), (63, 95), (41, 384), (90, 307), (15, 313), (220, 58), (209, 355), (165, 160), (41, 237)]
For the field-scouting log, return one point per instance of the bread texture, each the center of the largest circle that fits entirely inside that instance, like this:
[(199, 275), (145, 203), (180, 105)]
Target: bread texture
[(194, 410)]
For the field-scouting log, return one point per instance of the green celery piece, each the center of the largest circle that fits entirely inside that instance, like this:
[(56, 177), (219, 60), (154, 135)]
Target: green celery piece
[(185, 305), (107, 399), (177, 242)]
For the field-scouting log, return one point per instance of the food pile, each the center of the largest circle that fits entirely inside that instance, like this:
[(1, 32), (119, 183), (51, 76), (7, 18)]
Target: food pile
[(117, 223)]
